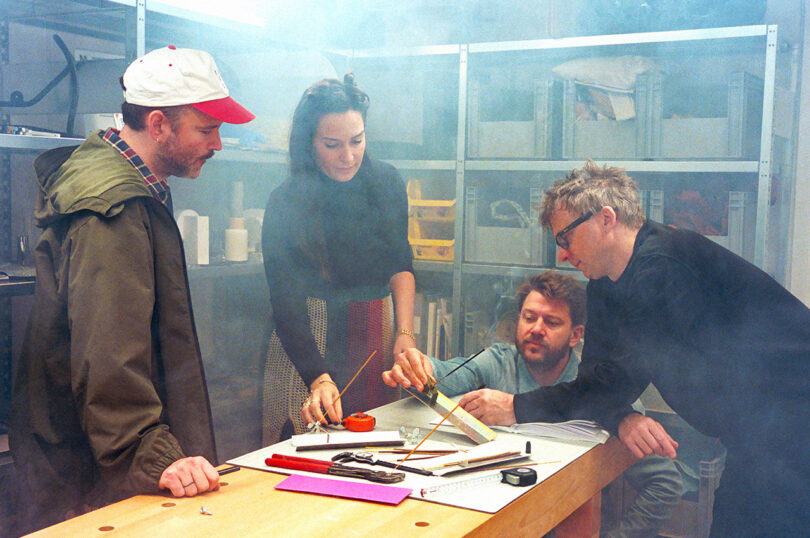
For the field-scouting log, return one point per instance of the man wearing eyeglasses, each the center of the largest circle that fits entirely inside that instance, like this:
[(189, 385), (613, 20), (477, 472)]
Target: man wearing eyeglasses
[(550, 322), (727, 347)]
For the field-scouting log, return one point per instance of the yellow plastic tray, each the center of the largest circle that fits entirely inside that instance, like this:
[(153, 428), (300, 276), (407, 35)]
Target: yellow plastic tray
[(432, 209), (432, 249)]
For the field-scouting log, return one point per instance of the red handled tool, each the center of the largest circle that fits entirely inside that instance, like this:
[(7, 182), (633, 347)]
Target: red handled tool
[(359, 422), (298, 463)]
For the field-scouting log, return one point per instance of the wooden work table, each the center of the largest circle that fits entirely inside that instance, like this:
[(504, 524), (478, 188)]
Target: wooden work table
[(248, 505)]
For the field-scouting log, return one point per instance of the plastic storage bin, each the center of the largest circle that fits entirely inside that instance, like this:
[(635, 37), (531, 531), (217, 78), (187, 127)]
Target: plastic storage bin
[(733, 133), (652, 202), (525, 244), (599, 139), (476, 326), (731, 224), (536, 137), (742, 221), (436, 210), (430, 225), (432, 249), (431, 240)]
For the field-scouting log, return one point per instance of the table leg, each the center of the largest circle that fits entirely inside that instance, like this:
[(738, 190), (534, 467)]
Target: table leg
[(583, 522)]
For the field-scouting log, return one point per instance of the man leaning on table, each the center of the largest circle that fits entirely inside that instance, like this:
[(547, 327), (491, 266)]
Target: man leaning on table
[(110, 397), (727, 347), (551, 318)]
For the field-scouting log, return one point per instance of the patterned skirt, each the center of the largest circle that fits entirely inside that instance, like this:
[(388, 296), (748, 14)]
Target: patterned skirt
[(347, 327)]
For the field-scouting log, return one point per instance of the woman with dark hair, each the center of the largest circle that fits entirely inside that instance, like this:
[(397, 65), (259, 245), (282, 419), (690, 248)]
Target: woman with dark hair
[(338, 264)]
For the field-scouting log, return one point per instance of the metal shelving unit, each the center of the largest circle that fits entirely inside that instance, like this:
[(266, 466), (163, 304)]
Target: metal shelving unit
[(631, 166), (35, 143), (89, 16), (762, 39), (16, 287), (422, 164), (127, 26)]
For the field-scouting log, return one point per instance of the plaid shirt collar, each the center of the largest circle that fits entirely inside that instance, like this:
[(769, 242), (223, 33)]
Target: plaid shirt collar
[(158, 187)]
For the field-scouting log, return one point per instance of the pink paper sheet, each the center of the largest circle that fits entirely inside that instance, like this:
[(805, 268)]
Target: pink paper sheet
[(343, 488)]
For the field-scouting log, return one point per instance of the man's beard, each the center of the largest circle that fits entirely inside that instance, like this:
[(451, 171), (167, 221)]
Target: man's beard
[(551, 358), (173, 162)]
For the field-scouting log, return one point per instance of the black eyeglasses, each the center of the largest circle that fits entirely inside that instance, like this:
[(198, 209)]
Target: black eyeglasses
[(560, 239)]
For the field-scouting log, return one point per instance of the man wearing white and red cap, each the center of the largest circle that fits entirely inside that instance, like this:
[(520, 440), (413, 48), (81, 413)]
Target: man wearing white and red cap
[(110, 397)]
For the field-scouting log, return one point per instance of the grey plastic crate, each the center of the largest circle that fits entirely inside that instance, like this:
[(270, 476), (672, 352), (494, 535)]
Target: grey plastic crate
[(536, 138), (652, 202), (526, 245), (734, 136), (476, 325), (598, 139), (742, 222)]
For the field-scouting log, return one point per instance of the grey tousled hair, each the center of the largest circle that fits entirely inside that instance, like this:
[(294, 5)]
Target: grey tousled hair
[(590, 188)]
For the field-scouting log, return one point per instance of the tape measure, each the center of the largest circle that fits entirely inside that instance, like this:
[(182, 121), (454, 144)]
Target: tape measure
[(359, 422), (521, 476)]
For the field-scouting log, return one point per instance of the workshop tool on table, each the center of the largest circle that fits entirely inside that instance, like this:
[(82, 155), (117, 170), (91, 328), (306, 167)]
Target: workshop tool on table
[(414, 449), (464, 461), (520, 476), (485, 464), (359, 422), (471, 357), (461, 419), (297, 463), (436, 452), (371, 459), (227, 470), (354, 377), (344, 440)]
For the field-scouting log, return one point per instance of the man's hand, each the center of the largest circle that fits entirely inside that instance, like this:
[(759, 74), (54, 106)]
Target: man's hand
[(411, 368), (492, 407), (643, 436), (188, 477), (323, 397)]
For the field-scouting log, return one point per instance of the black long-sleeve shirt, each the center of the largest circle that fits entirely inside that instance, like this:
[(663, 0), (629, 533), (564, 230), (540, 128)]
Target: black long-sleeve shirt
[(725, 344), (363, 229)]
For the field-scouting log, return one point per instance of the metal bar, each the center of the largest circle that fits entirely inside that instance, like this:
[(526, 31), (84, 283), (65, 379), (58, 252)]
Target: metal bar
[(36, 143), (435, 50), (140, 28), (766, 141), (461, 152), (631, 166), (406, 164), (621, 39), (5, 254), (435, 266)]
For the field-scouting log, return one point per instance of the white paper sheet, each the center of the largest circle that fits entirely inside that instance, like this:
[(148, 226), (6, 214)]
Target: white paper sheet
[(550, 454)]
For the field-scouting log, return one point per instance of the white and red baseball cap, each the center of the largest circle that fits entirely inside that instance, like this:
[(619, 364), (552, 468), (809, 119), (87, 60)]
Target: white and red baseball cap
[(171, 76)]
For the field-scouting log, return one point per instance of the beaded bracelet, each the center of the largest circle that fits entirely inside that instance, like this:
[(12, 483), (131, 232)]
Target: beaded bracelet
[(408, 332)]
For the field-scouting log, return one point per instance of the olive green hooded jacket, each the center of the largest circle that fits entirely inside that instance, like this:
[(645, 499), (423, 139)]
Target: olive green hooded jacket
[(110, 388)]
